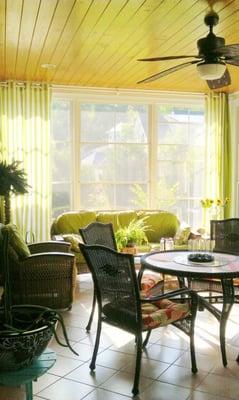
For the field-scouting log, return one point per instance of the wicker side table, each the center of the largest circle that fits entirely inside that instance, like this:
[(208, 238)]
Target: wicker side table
[(26, 376)]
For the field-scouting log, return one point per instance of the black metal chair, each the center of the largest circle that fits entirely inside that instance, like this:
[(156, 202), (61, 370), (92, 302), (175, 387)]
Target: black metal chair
[(225, 233), (120, 303), (102, 234)]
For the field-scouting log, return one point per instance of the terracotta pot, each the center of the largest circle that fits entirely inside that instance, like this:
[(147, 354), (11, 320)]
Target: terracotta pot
[(129, 250)]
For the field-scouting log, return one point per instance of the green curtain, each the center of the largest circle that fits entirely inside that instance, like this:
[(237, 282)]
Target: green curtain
[(218, 150), (25, 136)]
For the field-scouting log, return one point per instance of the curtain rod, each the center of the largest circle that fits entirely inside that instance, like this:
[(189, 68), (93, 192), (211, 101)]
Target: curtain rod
[(24, 83)]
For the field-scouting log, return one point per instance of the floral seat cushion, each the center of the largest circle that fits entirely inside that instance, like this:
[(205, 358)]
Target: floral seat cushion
[(156, 284), (150, 280), (154, 314), (162, 312)]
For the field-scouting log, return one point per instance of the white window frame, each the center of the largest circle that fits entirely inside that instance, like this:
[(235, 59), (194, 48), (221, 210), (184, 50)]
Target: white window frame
[(78, 95)]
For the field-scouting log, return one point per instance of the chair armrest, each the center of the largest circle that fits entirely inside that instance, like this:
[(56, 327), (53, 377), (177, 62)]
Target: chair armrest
[(174, 293), (47, 257), (50, 246)]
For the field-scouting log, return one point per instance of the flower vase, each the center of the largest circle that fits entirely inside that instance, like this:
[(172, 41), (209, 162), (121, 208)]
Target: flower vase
[(206, 221), (217, 212)]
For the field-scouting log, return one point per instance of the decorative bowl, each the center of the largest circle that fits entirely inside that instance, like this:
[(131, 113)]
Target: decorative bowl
[(200, 257), (31, 331)]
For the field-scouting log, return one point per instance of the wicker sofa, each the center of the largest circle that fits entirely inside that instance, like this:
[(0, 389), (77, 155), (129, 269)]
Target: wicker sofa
[(66, 227)]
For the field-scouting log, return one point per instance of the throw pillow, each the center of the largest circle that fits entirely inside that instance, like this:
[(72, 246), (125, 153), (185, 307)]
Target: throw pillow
[(183, 236), (74, 240), (17, 246)]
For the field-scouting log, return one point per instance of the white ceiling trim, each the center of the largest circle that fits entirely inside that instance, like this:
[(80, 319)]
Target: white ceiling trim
[(122, 95)]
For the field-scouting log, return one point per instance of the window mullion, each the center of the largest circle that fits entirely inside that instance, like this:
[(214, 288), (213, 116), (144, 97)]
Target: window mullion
[(153, 143), (75, 120)]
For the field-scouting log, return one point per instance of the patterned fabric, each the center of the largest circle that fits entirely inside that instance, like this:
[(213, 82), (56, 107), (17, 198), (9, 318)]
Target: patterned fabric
[(154, 314), (156, 284), (74, 240), (149, 281), (162, 312)]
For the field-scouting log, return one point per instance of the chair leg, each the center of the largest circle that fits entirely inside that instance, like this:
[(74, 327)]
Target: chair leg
[(97, 342), (135, 389), (228, 300), (194, 306), (145, 342), (223, 323), (192, 350), (223, 342), (92, 313)]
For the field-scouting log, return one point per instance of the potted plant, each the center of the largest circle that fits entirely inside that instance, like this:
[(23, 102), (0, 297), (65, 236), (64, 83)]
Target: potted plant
[(25, 330), (132, 235), (12, 180)]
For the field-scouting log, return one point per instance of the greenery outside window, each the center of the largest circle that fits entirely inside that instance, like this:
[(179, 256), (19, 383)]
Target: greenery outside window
[(128, 155), (61, 156)]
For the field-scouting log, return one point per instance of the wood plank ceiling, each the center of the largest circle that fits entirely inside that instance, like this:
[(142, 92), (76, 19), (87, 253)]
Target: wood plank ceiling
[(96, 43)]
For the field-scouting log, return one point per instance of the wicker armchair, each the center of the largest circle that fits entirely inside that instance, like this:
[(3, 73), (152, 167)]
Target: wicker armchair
[(103, 234), (98, 233), (225, 233), (46, 277), (120, 305)]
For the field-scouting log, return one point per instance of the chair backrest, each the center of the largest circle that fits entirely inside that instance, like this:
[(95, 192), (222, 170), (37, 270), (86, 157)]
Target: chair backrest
[(226, 235), (99, 233), (116, 286)]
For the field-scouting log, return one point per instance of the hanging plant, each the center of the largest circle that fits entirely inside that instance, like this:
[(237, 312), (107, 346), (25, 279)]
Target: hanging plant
[(12, 181)]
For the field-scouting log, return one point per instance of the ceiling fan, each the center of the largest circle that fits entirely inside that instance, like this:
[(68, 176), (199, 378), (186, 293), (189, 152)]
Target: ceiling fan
[(213, 55)]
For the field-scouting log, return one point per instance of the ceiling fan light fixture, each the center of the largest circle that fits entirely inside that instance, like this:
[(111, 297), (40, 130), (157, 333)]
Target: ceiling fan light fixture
[(211, 71)]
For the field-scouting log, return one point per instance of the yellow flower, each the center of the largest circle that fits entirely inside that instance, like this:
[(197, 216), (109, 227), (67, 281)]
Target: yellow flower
[(222, 203), (206, 203)]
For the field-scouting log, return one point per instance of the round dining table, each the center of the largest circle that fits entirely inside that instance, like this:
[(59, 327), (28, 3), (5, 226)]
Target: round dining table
[(223, 266)]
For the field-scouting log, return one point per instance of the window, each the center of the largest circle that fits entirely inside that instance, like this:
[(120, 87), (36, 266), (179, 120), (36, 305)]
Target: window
[(125, 155), (61, 157), (113, 155), (180, 160)]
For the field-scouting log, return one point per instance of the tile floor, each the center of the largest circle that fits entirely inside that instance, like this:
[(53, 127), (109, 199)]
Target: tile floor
[(165, 374)]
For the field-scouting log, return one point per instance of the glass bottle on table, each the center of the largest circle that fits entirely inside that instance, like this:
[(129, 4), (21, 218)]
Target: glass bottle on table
[(169, 244)]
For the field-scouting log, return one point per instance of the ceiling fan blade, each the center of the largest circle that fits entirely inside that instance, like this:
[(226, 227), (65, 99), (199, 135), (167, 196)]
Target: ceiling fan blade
[(229, 50), (166, 58), (233, 61), (167, 72), (225, 80)]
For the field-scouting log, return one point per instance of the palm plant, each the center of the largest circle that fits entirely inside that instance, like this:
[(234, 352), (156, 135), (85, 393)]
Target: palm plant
[(12, 181)]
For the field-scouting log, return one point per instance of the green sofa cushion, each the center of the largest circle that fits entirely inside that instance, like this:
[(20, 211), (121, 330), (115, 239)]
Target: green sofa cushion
[(17, 247), (162, 224), (117, 218), (70, 222)]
